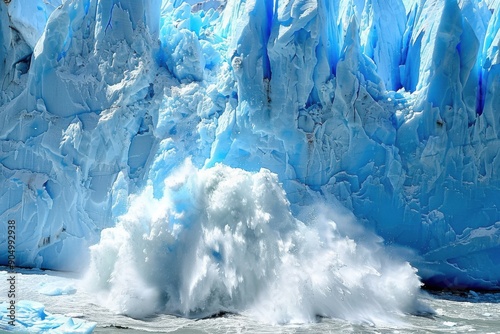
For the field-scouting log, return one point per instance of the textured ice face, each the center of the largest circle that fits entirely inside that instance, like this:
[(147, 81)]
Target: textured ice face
[(61, 145), (118, 93)]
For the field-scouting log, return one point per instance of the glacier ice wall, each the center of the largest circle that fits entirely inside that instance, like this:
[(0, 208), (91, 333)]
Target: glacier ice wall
[(390, 107), (62, 147)]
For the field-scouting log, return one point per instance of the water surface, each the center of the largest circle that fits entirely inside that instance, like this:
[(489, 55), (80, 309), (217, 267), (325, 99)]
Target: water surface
[(454, 313)]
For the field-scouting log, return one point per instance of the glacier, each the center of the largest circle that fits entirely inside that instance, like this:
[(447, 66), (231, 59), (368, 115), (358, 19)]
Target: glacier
[(388, 109)]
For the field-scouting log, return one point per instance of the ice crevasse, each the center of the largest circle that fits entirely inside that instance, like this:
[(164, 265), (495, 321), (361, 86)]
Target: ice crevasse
[(390, 108)]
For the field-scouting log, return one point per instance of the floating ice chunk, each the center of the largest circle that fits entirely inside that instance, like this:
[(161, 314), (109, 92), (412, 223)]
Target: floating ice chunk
[(57, 289), (32, 318), (449, 323)]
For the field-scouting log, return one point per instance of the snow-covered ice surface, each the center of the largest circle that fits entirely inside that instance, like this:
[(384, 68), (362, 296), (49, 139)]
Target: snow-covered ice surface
[(469, 312), (197, 142)]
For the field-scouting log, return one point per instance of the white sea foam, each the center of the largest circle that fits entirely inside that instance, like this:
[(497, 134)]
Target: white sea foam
[(223, 239)]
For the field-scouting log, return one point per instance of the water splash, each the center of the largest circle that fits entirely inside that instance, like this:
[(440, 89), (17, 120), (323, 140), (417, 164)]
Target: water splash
[(223, 239)]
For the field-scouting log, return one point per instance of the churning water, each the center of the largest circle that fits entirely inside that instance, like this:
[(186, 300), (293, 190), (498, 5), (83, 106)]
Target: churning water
[(226, 240), (469, 312)]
